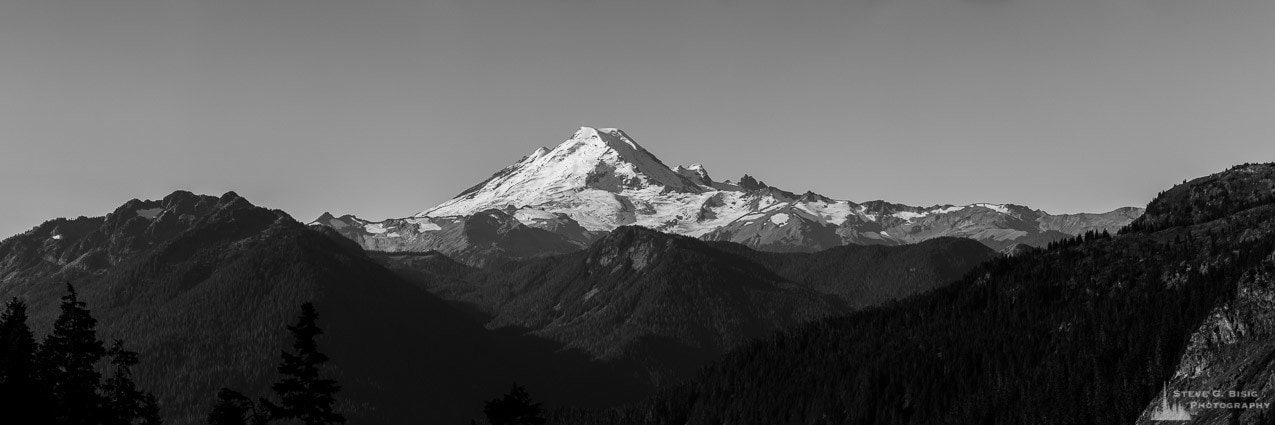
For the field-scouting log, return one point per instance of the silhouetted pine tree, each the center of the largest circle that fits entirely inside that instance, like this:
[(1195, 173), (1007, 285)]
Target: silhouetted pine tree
[(19, 387), (233, 408), (67, 363), (126, 405), (303, 395), (514, 408)]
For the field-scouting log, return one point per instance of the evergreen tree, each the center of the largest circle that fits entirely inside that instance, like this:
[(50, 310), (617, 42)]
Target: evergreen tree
[(67, 361), (126, 405), (233, 408), (149, 415), (514, 408), (303, 394), (18, 380), (17, 347)]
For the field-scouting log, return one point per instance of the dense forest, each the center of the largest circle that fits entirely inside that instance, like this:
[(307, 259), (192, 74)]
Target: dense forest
[(202, 296), (59, 380), (673, 303), (1087, 330)]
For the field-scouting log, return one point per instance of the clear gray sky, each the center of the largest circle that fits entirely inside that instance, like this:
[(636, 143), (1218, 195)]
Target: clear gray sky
[(384, 108)]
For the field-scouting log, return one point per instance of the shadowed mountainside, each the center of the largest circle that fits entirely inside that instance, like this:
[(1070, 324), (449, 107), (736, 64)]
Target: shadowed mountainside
[(1087, 330), (202, 287), (673, 303)]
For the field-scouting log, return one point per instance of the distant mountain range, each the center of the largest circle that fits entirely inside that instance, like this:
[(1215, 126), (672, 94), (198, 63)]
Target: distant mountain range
[(559, 200), (664, 316), (1174, 314), (201, 286)]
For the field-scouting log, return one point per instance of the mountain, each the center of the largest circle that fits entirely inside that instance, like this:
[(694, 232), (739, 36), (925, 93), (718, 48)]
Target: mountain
[(600, 179), (672, 303), (868, 275), (1231, 348), (479, 239), (203, 287), (1096, 329)]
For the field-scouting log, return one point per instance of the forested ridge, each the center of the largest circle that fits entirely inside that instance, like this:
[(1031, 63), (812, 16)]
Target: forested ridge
[(673, 303), (867, 275), (202, 296), (58, 379), (1085, 331)]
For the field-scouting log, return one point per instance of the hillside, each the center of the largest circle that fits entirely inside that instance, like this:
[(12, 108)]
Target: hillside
[(203, 286), (1085, 331), (673, 303)]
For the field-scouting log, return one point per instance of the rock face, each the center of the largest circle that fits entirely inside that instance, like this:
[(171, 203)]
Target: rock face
[(600, 179), (90, 244), (480, 239), (1232, 350)]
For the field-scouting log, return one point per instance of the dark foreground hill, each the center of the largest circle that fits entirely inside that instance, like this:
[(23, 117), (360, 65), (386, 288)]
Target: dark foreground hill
[(863, 276), (202, 287), (673, 303), (1086, 331)]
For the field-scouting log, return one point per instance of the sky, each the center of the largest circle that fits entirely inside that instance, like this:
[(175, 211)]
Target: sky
[(384, 108)]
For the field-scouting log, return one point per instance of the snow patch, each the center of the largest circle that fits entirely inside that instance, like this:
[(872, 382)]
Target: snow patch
[(376, 228), (57, 237), (779, 219), (150, 213), (591, 293), (908, 215), (994, 207), (533, 216), (424, 225)]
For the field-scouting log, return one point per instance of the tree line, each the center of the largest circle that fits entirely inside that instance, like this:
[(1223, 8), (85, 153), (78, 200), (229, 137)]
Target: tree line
[(304, 396), (57, 380)]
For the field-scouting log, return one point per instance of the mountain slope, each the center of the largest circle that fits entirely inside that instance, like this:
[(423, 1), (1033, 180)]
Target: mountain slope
[(484, 238), (672, 303), (864, 276), (205, 302), (1087, 330), (600, 179), (669, 302), (1231, 349), (595, 175)]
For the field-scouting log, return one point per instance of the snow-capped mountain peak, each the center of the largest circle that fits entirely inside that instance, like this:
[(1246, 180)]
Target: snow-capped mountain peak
[(600, 179), (696, 173), (598, 171)]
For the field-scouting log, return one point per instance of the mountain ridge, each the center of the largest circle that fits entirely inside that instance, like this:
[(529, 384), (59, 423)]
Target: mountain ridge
[(203, 286), (1093, 329), (671, 302), (600, 179)]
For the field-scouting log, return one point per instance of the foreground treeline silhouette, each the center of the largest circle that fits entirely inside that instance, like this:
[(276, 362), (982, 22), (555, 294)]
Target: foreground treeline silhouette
[(1085, 331), (514, 408), (304, 396), (59, 380)]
